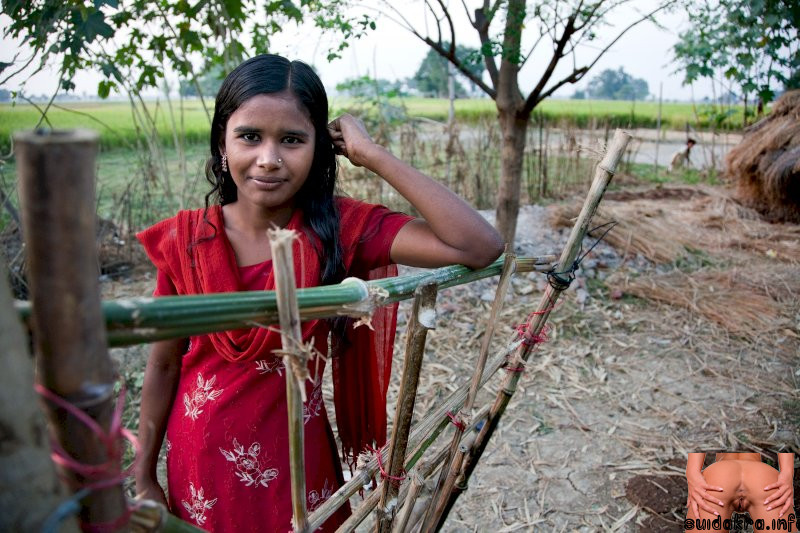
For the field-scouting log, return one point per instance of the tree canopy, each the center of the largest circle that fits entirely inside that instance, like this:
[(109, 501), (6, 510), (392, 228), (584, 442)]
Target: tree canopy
[(133, 43), (617, 85), (751, 44), (432, 74)]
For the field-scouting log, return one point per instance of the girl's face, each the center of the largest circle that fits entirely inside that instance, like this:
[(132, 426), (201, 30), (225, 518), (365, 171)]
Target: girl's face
[(269, 141)]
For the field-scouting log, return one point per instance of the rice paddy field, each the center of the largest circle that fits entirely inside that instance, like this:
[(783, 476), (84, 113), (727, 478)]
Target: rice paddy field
[(118, 127)]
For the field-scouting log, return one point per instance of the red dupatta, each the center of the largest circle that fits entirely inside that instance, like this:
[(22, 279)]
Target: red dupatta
[(191, 251)]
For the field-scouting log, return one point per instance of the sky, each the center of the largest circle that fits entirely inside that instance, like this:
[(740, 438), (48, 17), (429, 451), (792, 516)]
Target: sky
[(392, 52)]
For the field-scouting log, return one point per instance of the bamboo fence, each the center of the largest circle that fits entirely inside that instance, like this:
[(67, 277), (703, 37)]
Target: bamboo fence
[(400, 503)]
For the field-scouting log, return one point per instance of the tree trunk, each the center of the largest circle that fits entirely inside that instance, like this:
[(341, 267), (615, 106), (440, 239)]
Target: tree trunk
[(29, 488), (514, 129)]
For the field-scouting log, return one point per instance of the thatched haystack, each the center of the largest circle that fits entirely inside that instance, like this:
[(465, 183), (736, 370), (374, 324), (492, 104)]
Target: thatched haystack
[(766, 165)]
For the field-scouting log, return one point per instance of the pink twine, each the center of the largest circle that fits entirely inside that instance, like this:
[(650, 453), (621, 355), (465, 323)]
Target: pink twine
[(101, 475), (396, 480), (456, 422)]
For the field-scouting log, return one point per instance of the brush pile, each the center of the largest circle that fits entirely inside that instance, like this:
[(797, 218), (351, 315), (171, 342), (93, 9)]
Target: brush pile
[(765, 166), (714, 257)]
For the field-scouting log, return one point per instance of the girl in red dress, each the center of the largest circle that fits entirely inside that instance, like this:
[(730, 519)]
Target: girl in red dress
[(219, 400)]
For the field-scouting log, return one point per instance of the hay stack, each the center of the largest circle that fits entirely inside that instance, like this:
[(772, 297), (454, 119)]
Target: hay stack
[(766, 164)]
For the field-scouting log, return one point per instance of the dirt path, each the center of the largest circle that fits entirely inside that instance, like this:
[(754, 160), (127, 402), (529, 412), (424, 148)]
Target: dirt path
[(624, 388)]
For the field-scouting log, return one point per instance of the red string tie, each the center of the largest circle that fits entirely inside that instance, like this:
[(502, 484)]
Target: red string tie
[(456, 421), (101, 475), (395, 480), (528, 338)]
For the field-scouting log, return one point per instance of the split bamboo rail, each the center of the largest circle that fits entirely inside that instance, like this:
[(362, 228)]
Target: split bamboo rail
[(396, 506)]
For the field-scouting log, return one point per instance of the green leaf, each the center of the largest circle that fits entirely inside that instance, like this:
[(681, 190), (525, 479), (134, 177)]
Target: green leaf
[(104, 88)]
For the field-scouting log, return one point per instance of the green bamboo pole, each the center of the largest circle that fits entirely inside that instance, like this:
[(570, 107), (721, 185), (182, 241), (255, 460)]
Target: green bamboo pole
[(141, 320)]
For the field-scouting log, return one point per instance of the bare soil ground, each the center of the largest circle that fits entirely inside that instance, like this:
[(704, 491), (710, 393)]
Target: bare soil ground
[(597, 435)]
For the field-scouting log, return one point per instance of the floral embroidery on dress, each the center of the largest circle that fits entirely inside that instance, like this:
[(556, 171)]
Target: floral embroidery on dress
[(316, 498), (314, 404), (198, 505), (248, 466), (204, 393), (274, 364)]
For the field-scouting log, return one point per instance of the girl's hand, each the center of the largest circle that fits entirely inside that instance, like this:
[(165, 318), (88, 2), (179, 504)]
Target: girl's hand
[(350, 139), (698, 495), (783, 496), (149, 489)]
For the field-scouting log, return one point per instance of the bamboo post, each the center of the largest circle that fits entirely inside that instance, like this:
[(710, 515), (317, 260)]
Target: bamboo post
[(536, 321), (296, 363), (29, 488), (56, 180), (447, 476), (422, 319)]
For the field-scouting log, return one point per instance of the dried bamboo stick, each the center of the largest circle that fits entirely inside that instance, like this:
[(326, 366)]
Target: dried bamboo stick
[(536, 321), (425, 469), (419, 433), (56, 180), (142, 320), (25, 455), (296, 362), (422, 319), (447, 476)]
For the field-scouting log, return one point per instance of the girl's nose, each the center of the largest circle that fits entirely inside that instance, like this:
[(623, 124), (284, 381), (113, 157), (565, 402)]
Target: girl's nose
[(268, 157)]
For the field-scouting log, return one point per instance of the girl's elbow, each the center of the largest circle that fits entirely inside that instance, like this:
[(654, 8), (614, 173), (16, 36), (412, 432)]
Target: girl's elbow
[(485, 254)]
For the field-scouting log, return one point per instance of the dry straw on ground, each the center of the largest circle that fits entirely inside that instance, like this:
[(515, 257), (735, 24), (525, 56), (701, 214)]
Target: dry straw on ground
[(744, 292), (766, 164)]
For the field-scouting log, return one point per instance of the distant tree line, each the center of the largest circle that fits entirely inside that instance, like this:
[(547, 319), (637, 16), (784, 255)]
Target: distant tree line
[(614, 85)]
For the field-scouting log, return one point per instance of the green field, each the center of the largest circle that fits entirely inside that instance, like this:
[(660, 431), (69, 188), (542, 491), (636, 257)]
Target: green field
[(118, 129)]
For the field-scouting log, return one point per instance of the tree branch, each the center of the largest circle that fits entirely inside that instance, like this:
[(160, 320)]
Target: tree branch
[(452, 30), (538, 94), (481, 24), (457, 63), (535, 96)]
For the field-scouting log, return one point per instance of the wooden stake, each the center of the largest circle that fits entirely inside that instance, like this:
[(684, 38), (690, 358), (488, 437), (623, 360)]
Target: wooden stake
[(423, 318), (603, 174), (296, 363), (29, 488), (447, 476), (56, 180)]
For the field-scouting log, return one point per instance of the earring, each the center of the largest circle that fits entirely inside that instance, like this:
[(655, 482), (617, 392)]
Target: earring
[(224, 162)]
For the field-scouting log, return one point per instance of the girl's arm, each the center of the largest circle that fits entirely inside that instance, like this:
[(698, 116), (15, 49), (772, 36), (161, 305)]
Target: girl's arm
[(784, 496), (449, 232), (698, 486), (158, 392)]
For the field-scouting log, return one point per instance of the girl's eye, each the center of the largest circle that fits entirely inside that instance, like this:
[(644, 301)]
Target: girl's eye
[(291, 140), (250, 137)]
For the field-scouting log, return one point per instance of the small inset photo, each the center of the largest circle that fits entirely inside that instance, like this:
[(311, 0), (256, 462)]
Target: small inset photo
[(740, 492)]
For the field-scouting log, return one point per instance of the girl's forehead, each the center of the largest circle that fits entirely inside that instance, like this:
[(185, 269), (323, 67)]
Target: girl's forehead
[(282, 106)]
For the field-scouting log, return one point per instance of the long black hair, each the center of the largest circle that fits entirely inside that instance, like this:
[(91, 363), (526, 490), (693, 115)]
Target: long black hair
[(269, 74)]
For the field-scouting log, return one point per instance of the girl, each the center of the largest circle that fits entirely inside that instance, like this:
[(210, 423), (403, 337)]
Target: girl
[(220, 399)]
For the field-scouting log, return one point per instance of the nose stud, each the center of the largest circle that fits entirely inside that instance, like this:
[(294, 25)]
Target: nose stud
[(280, 161)]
